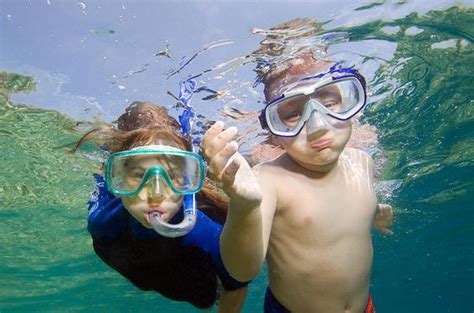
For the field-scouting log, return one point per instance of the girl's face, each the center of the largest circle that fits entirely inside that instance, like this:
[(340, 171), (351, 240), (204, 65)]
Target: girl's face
[(156, 195)]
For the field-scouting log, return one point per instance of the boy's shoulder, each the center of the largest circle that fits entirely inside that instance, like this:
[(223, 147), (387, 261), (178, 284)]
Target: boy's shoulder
[(357, 153), (271, 173), (358, 156)]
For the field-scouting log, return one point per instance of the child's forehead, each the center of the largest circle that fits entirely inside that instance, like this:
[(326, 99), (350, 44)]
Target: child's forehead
[(153, 159), (291, 72), (166, 142), (152, 142)]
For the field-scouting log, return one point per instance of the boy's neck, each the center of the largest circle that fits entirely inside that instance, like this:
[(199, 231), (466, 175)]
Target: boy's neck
[(322, 170)]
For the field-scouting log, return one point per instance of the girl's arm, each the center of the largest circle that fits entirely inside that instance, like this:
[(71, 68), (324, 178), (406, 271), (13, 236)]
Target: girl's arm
[(106, 216), (231, 301), (206, 236)]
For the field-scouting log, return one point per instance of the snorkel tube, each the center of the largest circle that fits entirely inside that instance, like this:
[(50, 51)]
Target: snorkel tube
[(187, 89)]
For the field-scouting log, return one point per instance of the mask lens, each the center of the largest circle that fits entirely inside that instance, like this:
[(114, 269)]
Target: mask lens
[(184, 172), (124, 176), (341, 99), (286, 114), (338, 97), (127, 173), (330, 97)]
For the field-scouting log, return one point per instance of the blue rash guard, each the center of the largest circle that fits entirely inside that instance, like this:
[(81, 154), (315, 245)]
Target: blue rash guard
[(183, 268)]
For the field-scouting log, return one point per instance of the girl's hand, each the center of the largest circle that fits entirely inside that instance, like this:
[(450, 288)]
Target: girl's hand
[(383, 219), (229, 167)]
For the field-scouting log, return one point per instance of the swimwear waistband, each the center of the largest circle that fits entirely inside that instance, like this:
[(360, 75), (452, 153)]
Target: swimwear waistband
[(272, 305)]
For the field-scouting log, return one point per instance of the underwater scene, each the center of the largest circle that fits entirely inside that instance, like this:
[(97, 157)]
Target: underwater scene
[(67, 66)]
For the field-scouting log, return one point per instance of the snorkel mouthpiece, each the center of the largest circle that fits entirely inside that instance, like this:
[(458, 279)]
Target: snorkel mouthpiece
[(176, 230)]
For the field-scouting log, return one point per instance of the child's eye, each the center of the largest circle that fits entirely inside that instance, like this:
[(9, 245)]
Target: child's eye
[(292, 115), (137, 174), (329, 104)]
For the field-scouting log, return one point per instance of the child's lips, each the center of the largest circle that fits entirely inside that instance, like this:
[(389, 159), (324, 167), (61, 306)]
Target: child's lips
[(320, 144), (153, 209)]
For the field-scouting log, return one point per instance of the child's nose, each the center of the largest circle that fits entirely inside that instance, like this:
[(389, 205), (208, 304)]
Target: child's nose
[(316, 125), (154, 188)]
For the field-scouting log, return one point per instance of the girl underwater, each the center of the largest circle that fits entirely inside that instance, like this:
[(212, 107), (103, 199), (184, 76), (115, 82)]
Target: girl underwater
[(148, 175)]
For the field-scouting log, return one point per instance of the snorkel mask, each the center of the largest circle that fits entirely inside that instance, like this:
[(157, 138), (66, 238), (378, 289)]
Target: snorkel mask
[(128, 172), (316, 101)]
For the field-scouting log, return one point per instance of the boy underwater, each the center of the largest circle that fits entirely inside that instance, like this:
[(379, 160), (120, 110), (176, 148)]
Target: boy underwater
[(309, 212)]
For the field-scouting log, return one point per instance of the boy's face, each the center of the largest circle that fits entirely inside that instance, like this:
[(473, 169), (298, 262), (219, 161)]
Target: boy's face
[(318, 149), (323, 138)]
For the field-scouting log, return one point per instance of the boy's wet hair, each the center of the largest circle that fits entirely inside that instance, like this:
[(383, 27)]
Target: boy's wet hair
[(282, 50), (285, 47), (276, 43)]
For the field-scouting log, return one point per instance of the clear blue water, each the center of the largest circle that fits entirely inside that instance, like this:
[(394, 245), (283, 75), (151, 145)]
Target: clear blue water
[(88, 60)]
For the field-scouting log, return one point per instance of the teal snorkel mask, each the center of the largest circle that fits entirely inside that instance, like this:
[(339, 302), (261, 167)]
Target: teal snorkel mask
[(128, 172)]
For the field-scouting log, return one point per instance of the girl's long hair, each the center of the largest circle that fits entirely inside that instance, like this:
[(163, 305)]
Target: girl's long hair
[(211, 199)]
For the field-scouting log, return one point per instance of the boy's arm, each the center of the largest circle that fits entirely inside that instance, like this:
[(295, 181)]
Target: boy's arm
[(383, 218), (243, 240)]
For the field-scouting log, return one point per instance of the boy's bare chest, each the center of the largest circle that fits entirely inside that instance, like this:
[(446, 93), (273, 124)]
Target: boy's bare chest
[(343, 205)]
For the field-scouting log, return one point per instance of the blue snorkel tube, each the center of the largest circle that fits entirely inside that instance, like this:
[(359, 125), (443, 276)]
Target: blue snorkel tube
[(187, 89)]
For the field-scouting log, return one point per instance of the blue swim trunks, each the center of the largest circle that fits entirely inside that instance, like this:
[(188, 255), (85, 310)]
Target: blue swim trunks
[(272, 305)]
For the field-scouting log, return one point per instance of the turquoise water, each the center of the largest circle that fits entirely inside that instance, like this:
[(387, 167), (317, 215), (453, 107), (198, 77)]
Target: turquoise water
[(427, 125), (420, 71)]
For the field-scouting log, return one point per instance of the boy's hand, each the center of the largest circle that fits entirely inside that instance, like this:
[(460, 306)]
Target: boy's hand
[(383, 219), (228, 167)]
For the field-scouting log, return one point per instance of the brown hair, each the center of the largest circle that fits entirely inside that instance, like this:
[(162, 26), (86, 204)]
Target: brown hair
[(134, 132), (279, 63), (142, 114), (277, 39), (115, 140)]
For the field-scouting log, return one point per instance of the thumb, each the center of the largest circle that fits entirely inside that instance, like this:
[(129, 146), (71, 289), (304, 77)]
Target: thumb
[(386, 231), (228, 177)]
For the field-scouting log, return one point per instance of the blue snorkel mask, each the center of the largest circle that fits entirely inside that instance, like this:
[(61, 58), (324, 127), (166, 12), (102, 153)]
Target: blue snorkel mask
[(337, 94)]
